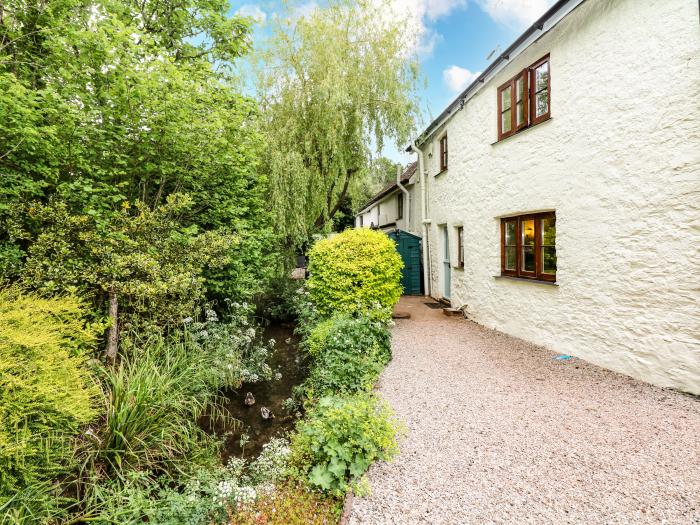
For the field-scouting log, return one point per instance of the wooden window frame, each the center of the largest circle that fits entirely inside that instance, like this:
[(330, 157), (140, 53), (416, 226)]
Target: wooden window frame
[(538, 274), (528, 99), (399, 206), (460, 246), (443, 153)]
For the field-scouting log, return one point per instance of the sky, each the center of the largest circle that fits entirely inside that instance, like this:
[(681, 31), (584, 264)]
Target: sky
[(455, 39)]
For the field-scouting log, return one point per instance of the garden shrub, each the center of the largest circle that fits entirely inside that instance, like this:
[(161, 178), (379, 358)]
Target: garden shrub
[(339, 439), (160, 389), (358, 268), (46, 393), (349, 354), (217, 494), (289, 504)]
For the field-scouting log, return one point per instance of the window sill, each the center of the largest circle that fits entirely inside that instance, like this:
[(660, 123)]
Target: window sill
[(441, 172), (458, 267), (525, 280), (521, 131)]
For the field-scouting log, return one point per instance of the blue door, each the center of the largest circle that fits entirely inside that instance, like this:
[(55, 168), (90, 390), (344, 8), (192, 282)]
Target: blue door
[(408, 246), (447, 269)]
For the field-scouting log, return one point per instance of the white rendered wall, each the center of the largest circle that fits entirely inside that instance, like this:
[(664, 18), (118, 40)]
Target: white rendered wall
[(619, 162)]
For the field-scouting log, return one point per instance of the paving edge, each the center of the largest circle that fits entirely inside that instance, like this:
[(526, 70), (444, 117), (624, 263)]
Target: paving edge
[(347, 508)]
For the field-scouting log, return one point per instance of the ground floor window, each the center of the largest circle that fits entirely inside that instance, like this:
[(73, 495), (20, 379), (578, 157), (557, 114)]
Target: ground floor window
[(528, 246)]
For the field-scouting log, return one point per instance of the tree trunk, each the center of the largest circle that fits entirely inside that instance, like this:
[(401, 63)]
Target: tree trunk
[(113, 337)]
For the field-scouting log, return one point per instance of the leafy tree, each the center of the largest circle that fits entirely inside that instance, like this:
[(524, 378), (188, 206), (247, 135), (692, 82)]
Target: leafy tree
[(335, 84), (147, 260), (121, 101)]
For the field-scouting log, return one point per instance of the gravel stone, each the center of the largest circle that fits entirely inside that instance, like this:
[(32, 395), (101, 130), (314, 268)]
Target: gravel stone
[(498, 431)]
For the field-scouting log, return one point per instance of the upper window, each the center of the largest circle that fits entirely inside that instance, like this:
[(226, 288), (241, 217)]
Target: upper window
[(528, 247), (443, 153), (525, 99), (399, 206)]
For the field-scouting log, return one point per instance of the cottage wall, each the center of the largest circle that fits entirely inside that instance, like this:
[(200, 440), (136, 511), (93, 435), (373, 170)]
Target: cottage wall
[(619, 162)]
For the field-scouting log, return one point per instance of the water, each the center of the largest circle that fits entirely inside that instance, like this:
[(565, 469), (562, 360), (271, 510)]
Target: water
[(287, 360)]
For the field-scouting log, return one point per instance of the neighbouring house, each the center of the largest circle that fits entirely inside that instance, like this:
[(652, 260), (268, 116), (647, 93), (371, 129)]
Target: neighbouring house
[(561, 189), (394, 207)]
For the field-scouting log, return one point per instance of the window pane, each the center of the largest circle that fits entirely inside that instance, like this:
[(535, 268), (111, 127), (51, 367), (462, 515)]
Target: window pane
[(505, 99), (528, 259), (528, 232), (510, 233), (549, 260), (519, 89), (541, 77), (541, 103), (519, 113), (510, 257), (549, 231), (505, 121)]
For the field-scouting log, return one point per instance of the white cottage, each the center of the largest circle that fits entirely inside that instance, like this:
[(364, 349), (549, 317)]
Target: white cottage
[(395, 206), (560, 192)]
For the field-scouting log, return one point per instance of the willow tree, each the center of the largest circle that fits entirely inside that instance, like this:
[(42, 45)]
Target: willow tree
[(337, 83)]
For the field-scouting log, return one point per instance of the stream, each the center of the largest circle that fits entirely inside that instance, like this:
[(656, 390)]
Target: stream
[(289, 361)]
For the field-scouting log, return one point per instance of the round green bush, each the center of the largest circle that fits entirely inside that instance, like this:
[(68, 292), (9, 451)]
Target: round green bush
[(354, 270)]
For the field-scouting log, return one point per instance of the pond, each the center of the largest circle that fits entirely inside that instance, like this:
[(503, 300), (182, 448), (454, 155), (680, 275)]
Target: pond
[(289, 361)]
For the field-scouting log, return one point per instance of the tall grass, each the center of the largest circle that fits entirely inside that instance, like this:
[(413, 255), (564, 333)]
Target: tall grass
[(153, 399)]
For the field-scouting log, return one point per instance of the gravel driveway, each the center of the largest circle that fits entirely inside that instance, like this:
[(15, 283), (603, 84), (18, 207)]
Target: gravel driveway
[(500, 432)]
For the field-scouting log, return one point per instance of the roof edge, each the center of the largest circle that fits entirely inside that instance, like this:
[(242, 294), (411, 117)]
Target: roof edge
[(505, 55)]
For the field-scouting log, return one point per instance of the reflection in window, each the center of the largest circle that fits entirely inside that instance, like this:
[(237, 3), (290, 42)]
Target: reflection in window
[(511, 245), (549, 251), (506, 110), (528, 245)]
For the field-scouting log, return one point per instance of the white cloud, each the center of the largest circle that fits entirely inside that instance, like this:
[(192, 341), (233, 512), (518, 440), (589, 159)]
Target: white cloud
[(254, 12), (419, 14), (518, 13), (439, 8), (457, 78)]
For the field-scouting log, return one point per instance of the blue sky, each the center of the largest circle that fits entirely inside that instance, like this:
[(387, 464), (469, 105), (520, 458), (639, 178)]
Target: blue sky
[(456, 36)]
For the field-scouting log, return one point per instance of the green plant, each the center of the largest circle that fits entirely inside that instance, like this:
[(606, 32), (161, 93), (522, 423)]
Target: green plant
[(288, 504), (150, 261), (46, 395), (357, 269), (349, 354), (340, 438)]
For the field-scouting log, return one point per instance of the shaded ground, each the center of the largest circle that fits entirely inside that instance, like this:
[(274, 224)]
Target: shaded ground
[(288, 361), (501, 432)]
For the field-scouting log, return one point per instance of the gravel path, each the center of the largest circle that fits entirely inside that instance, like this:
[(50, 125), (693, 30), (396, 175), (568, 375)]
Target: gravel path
[(500, 432)]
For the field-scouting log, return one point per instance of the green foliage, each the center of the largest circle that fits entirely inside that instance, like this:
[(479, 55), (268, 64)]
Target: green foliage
[(357, 269), (125, 101), (152, 260), (289, 504), (161, 388), (340, 438), (46, 395), (349, 354), (335, 84), (208, 495)]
